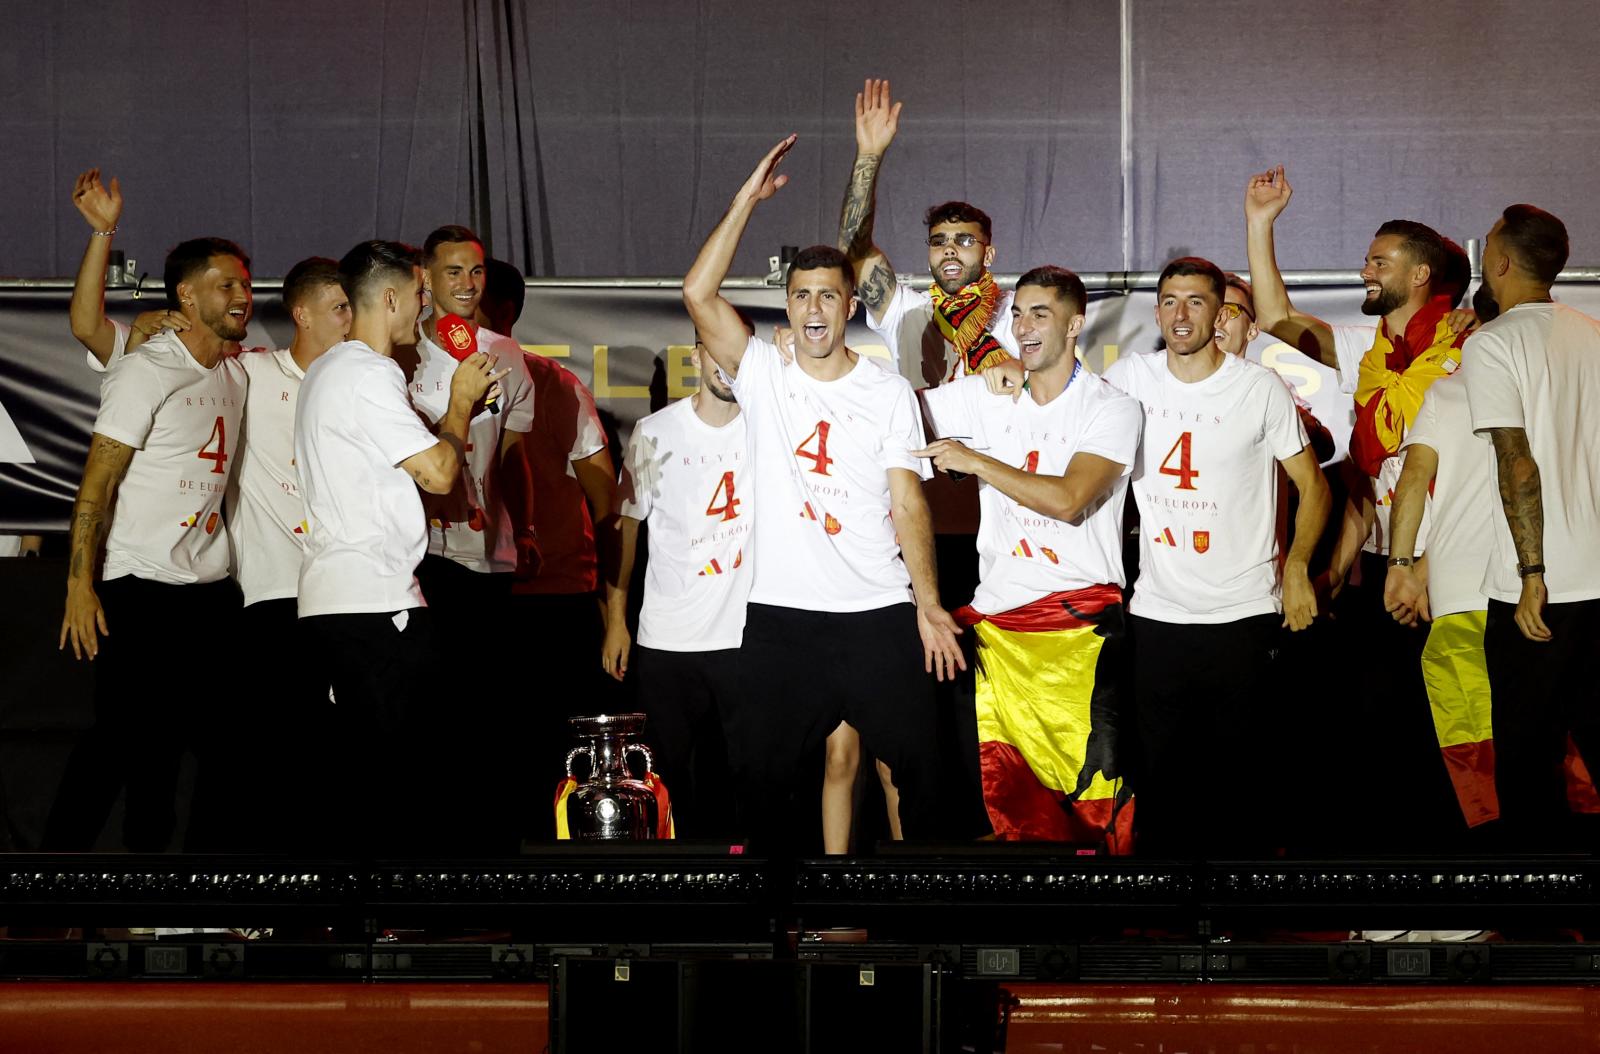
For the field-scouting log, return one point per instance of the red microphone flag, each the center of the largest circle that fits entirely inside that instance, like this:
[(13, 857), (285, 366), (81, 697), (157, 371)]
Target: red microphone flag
[(458, 335)]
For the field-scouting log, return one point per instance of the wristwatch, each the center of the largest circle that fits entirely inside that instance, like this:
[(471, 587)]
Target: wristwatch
[(1524, 570)]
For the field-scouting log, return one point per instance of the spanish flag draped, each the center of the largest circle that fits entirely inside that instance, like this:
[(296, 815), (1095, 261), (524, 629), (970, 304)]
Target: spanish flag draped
[(1047, 719), (1457, 676), (1395, 375)]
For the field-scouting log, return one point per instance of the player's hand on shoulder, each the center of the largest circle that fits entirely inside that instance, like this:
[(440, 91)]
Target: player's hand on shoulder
[(1005, 378)]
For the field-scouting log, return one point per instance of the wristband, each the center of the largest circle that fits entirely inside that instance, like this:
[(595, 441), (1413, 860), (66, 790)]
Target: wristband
[(102, 234), (1524, 570), (1401, 561)]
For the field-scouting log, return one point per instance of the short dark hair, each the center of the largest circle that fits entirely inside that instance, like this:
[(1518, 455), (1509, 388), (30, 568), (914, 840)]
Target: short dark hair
[(1537, 240), (504, 292), (1067, 285), (1194, 265), (1233, 281), (1424, 246), (370, 263), (958, 212), (1457, 273), (187, 259), (823, 258), (306, 278), (449, 234)]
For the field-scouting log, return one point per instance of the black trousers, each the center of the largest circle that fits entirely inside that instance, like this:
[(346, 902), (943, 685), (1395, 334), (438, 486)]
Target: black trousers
[(395, 788), (684, 695), (805, 671), (1540, 693), (166, 683), (283, 731), (1203, 786)]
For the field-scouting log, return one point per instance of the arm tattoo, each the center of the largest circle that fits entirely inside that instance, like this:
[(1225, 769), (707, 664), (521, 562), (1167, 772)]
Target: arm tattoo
[(876, 288), (1520, 493), (88, 525), (860, 204)]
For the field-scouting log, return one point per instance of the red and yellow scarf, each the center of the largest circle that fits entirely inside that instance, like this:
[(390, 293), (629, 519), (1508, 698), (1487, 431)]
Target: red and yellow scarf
[(965, 317), (1395, 375)]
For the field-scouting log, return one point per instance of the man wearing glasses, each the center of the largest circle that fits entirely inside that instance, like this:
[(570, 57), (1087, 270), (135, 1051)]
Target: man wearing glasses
[(965, 311)]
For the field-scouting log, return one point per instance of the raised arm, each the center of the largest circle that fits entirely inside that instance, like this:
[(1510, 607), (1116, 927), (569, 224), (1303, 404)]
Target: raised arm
[(1522, 499), (100, 207), (1265, 198), (91, 518), (719, 325), (876, 123), (1299, 599)]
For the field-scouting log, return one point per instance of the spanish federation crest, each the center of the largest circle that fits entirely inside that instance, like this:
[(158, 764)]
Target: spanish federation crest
[(1202, 541)]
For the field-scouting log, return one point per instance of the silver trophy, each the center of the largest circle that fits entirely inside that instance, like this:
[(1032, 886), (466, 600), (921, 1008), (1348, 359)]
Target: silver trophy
[(610, 802)]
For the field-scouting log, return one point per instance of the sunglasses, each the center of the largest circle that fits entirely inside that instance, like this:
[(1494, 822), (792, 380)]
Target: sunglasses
[(1233, 311), (966, 241)]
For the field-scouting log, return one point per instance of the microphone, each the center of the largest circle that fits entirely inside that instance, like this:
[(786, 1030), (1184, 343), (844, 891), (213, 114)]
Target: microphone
[(460, 339)]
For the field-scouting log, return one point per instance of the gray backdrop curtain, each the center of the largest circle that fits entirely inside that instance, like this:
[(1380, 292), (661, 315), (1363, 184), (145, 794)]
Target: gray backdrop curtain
[(605, 136)]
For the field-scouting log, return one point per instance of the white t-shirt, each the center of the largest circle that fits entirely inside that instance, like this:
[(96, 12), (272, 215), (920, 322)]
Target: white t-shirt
[(266, 520), (182, 421), (908, 321), (1537, 367), (1462, 501), (1207, 488), (822, 451), (688, 482), (1022, 554), (119, 347), (353, 427), (471, 525), (566, 429), (1350, 346)]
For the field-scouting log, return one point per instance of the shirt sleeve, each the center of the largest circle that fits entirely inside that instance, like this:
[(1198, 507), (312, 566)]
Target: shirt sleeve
[(641, 474), (119, 347), (1350, 346), (1002, 328), (903, 433), (517, 386), (1113, 432), (1423, 431), (1120, 376), (755, 371), (904, 301), (383, 410), (1492, 392), (589, 435), (947, 410), (1284, 434), (130, 395)]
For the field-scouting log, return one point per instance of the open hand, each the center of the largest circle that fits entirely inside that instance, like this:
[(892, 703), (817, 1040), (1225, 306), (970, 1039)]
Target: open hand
[(941, 652), (765, 180), (1267, 195), (876, 119), (102, 207)]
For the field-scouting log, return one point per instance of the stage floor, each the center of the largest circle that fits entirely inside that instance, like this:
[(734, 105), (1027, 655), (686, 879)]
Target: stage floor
[(154, 1018)]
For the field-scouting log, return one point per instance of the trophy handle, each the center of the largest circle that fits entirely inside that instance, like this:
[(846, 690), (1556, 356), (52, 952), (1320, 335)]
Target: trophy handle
[(574, 752), (649, 758)]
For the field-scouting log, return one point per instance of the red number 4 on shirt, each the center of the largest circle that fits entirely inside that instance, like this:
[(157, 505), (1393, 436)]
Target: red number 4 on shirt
[(729, 509), (819, 459), (218, 457), (1186, 475)]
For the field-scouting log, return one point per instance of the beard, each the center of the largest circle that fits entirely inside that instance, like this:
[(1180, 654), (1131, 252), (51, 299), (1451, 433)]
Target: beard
[(965, 278), (225, 325), (1386, 301), (1484, 303), (720, 392)]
